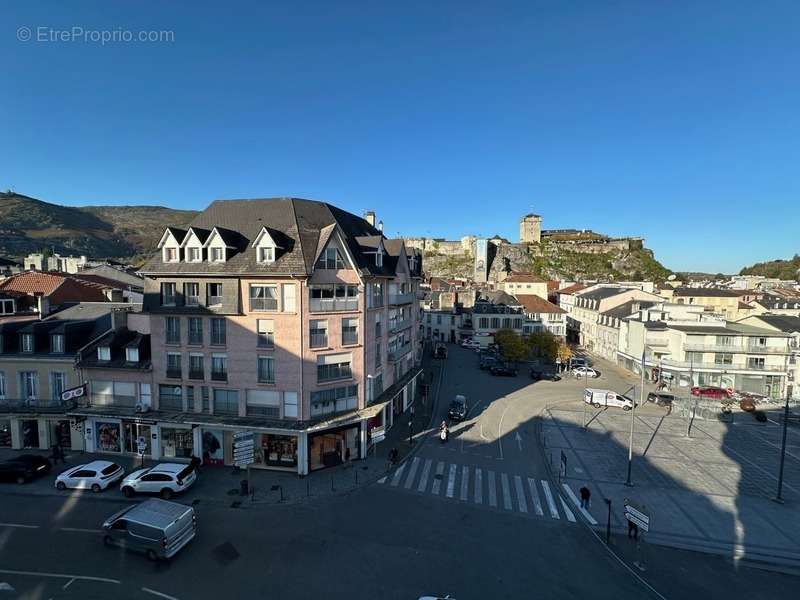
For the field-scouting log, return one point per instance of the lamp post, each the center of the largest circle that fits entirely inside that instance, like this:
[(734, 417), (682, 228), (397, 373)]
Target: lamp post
[(411, 426), (633, 417), (779, 495), (608, 522)]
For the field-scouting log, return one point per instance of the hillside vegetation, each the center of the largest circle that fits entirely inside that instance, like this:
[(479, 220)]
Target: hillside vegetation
[(782, 269), (29, 225)]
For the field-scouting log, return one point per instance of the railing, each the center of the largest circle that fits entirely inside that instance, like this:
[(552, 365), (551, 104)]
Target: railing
[(34, 405), (226, 408), (170, 403), (397, 354), (732, 348), (718, 367), (349, 337), (263, 304), (214, 300), (110, 400), (398, 325), (333, 304), (174, 374), (396, 299), (319, 340), (195, 339), (197, 375), (219, 376)]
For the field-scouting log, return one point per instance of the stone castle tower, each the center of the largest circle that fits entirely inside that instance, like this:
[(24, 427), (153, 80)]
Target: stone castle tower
[(530, 229)]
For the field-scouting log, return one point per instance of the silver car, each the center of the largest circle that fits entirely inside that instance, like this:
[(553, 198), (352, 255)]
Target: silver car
[(156, 527)]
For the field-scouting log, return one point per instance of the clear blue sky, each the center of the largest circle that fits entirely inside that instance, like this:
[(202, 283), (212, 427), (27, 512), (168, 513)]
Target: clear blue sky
[(675, 121)]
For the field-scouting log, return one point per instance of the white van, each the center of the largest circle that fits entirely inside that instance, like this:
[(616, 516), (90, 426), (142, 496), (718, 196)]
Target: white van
[(598, 398)]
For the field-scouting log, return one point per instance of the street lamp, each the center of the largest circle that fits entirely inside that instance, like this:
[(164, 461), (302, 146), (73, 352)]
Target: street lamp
[(779, 496), (633, 417), (411, 426)]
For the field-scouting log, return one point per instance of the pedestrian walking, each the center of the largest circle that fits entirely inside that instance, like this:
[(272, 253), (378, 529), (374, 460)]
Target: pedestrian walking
[(633, 530), (586, 497)]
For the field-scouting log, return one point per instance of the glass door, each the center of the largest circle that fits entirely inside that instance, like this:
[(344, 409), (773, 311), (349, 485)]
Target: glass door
[(132, 433)]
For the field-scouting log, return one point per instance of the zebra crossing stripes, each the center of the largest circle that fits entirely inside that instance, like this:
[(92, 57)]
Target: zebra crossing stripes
[(492, 491), (537, 504), (478, 486), (506, 491), (523, 505), (567, 511), (437, 480), (464, 483), (398, 475), (586, 514), (423, 479), (451, 482), (411, 472), (550, 502)]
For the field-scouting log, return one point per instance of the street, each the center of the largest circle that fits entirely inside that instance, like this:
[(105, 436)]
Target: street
[(476, 517)]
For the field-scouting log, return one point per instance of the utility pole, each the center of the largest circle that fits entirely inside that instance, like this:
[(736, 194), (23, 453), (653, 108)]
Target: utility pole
[(608, 522), (633, 417), (779, 495)]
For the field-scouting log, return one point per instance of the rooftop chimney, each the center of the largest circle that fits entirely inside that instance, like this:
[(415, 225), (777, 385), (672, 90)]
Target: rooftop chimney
[(42, 305), (119, 318), (380, 226), (369, 217)]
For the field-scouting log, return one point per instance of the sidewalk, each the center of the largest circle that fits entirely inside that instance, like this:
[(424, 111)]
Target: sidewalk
[(709, 492)]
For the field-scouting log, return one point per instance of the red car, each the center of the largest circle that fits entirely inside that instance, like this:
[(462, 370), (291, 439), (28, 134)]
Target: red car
[(717, 393)]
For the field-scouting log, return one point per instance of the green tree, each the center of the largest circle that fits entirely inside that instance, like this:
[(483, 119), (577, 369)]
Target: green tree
[(543, 344), (511, 345)]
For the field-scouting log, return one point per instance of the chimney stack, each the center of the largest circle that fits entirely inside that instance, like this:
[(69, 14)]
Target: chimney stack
[(119, 318), (380, 226), (42, 305), (369, 217)]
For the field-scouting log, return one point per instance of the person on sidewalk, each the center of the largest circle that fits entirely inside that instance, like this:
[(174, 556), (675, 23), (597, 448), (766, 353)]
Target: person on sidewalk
[(586, 496), (633, 530)]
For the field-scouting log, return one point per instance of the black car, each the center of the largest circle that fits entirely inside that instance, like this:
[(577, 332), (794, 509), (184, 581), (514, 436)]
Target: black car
[(537, 375), (487, 362), (458, 409), (24, 468), (503, 369), (661, 399)]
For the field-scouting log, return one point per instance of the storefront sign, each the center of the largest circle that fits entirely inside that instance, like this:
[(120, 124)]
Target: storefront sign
[(141, 446), (73, 393), (108, 437), (213, 453), (377, 434)]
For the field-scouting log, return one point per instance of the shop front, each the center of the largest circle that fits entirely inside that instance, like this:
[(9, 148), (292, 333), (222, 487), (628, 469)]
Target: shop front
[(177, 442), (5, 433), (275, 451), (334, 447)]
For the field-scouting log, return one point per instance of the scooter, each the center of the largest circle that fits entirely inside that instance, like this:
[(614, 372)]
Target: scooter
[(443, 434)]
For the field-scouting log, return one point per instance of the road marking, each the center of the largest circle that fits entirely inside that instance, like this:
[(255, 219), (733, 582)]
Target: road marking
[(60, 576), (382, 479), (464, 484), (437, 480), (478, 487), (586, 514), (6, 587), (451, 482), (412, 473), (159, 594), (69, 583), (519, 441), (567, 511), (423, 479), (499, 429), (537, 504), (550, 502), (398, 474), (19, 526), (492, 490), (80, 529), (523, 505), (506, 491)]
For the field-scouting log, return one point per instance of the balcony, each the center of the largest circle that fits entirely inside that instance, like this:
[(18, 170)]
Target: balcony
[(349, 338), (399, 299), (733, 348), (111, 400), (710, 366), (319, 340), (397, 354), (197, 375), (395, 326), (219, 376), (174, 373), (34, 406), (333, 304)]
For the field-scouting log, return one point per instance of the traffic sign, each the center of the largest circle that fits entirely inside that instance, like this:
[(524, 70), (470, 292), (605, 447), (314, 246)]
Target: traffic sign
[(637, 514), (242, 435), (643, 525), (243, 444)]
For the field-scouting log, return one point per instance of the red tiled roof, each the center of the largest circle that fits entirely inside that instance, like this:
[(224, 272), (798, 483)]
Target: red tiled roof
[(535, 304), (572, 289), (552, 286), (517, 277), (100, 280), (56, 287)]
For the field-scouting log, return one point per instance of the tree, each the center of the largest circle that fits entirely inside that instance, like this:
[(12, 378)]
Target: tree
[(511, 345), (564, 352), (543, 344)]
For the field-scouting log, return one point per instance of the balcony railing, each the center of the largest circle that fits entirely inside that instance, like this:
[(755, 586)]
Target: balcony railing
[(399, 325), (197, 375), (319, 340), (333, 304), (170, 403), (705, 366), (733, 348), (219, 376), (263, 304), (349, 338), (174, 373), (398, 353), (111, 400), (34, 405), (397, 299)]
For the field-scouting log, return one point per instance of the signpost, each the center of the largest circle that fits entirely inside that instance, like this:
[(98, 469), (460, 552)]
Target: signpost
[(72, 393), (638, 515), (562, 471), (141, 447), (244, 451)]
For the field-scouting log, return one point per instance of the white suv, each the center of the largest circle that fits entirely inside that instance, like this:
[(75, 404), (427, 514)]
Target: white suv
[(470, 344), (165, 479)]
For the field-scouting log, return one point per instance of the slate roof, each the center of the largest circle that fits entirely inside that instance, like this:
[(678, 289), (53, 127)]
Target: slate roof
[(785, 323), (706, 292), (117, 341), (572, 289), (535, 304), (626, 309), (602, 293), (499, 298), (298, 224)]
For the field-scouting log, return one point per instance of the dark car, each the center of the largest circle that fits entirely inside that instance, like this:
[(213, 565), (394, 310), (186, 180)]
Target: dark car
[(505, 369), (24, 468), (458, 409), (440, 351), (661, 399), (537, 375), (487, 362)]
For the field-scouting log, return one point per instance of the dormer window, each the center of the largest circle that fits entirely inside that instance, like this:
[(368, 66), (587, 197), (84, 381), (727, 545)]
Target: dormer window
[(103, 353), (132, 355), (379, 258), (57, 343), (266, 254), (194, 254), (330, 259), (27, 342), (170, 254), (216, 255)]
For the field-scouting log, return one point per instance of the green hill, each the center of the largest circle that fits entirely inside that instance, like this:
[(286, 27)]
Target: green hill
[(782, 269)]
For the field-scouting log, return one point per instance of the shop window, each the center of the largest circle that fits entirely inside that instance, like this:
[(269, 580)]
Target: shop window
[(107, 437), (278, 450), (176, 443), (5, 433)]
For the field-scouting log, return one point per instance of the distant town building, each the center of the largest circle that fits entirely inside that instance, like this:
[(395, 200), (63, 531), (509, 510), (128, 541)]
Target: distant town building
[(54, 262), (530, 229)]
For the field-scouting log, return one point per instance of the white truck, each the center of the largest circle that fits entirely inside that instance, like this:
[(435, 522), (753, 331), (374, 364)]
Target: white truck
[(597, 398)]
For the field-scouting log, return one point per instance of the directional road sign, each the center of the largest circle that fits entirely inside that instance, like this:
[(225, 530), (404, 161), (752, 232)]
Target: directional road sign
[(637, 514)]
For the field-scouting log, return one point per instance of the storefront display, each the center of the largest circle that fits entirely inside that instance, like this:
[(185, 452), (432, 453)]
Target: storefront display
[(213, 449), (60, 434), (5, 433), (276, 450), (133, 433), (30, 434), (176, 443), (107, 437), (333, 448)]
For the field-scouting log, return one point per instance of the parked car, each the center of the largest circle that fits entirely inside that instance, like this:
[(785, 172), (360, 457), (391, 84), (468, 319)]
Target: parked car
[(487, 361), (164, 479), (717, 393), (503, 368), (585, 372), (95, 476), (598, 398), (440, 351), (458, 408), (24, 468), (661, 399), (470, 344), (156, 527), (537, 375)]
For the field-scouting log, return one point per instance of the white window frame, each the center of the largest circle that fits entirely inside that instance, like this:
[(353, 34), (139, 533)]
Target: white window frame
[(59, 347), (104, 353), (265, 254), (212, 251), (289, 297), (165, 251), (132, 354), (28, 343), (290, 405), (189, 250)]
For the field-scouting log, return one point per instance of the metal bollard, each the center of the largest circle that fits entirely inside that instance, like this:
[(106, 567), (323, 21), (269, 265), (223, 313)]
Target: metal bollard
[(308, 487)]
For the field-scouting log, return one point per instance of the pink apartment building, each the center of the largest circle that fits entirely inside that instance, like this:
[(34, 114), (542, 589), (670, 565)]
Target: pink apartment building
[(289, 318)]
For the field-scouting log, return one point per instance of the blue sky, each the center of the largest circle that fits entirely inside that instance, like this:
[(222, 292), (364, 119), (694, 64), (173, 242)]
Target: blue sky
[(678, 122)]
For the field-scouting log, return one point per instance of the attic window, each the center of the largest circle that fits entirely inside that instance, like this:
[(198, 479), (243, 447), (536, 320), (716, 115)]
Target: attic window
[(193, 254), (379, 258), (266, 254), (217, 255), (27, 342), (330, 259), (170, 254), (103, 353), (132, 355)]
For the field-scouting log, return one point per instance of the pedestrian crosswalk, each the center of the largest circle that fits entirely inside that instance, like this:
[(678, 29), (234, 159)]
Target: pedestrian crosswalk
[(507, 492)]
